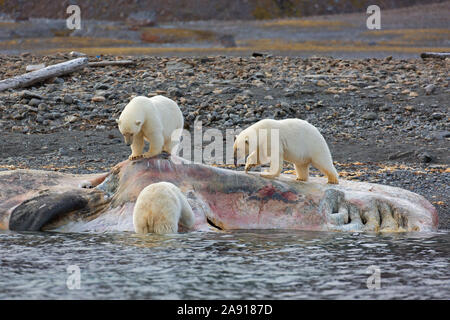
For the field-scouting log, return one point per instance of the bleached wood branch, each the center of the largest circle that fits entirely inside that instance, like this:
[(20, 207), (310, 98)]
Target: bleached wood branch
[(56, 70), (439, 55)]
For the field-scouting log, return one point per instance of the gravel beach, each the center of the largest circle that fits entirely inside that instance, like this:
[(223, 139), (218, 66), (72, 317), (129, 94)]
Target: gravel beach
[(385, 120)]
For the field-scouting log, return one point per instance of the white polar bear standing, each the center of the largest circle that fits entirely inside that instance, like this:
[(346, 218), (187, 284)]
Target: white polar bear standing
[(299, 142), (160, 207), (153, 119)]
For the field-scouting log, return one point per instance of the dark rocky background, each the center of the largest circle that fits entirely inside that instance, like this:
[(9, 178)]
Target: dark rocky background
[(181, 10)]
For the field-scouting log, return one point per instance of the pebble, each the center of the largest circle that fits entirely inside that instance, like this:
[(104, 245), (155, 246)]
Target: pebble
[(29, 95), (174, 92), (429, 89), (98, 99), (369, 116), (437, 116), (34, 67), (68, 99), (77, 54), (34, 102)]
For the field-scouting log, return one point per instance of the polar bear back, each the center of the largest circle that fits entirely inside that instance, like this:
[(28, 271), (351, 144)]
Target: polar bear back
[(169, 113), (298, 138), (156, 113), (160, 208)]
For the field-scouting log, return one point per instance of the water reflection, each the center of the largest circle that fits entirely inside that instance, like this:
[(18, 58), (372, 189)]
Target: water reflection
[(251, 264)]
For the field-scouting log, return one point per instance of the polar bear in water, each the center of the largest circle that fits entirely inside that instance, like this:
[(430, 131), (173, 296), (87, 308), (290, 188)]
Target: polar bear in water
[(160, 207), (296, 141)]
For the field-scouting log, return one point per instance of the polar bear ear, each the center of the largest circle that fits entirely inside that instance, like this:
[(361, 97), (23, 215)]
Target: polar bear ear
[(138, 122)]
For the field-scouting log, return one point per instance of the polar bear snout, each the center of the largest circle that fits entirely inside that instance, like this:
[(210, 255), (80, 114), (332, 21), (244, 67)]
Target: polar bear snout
[(128, 138)]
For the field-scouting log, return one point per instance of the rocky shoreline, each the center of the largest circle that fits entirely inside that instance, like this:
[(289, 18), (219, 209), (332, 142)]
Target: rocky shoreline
[(385, 120)]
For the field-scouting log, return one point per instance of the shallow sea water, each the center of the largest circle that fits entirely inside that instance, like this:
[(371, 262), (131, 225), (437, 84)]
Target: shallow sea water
[(261, 264)]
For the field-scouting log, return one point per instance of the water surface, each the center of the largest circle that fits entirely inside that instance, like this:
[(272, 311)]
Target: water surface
[(251, 264)]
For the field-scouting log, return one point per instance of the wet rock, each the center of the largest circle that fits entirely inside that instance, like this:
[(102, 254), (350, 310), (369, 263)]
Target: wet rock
[(441, 135), (369, 116), (429, 89), (34, 102), (174, 92), (247, 93), (101, 86), (42, 107), (437, 116), (29, 95), (425, 157), (177, 66), (68, 99), (259, 54), (258, 75)]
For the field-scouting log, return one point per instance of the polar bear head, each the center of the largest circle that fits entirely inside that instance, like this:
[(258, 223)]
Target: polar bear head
[(132, 119), (129, 129), (241, 146)]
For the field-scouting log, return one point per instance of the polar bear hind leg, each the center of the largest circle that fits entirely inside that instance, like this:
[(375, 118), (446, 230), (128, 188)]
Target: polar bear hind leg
[(326, 167), (169, 145)]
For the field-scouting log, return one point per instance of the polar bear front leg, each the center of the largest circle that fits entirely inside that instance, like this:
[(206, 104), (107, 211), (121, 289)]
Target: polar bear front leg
[(156, 141), (276, 165), (302, 171), (137, 146)]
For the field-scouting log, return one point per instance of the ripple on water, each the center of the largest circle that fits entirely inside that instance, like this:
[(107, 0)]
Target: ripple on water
[(233, 265)]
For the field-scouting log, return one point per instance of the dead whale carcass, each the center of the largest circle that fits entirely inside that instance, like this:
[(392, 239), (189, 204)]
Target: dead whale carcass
[(220, 198)]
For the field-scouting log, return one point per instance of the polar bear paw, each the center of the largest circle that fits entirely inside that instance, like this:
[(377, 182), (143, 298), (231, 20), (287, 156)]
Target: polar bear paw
[(135, 157)]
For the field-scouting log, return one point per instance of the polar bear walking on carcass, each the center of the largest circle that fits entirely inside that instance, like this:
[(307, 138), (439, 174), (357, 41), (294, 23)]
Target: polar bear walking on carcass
[(153, 119), (297, 141)]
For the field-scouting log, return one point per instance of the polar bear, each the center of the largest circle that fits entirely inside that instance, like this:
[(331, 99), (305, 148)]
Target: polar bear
[(153, 119), (160, 207), (296, 141)]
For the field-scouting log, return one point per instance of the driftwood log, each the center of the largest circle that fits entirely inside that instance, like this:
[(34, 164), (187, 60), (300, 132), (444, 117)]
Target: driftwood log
[(28, 79), (438, 55)]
